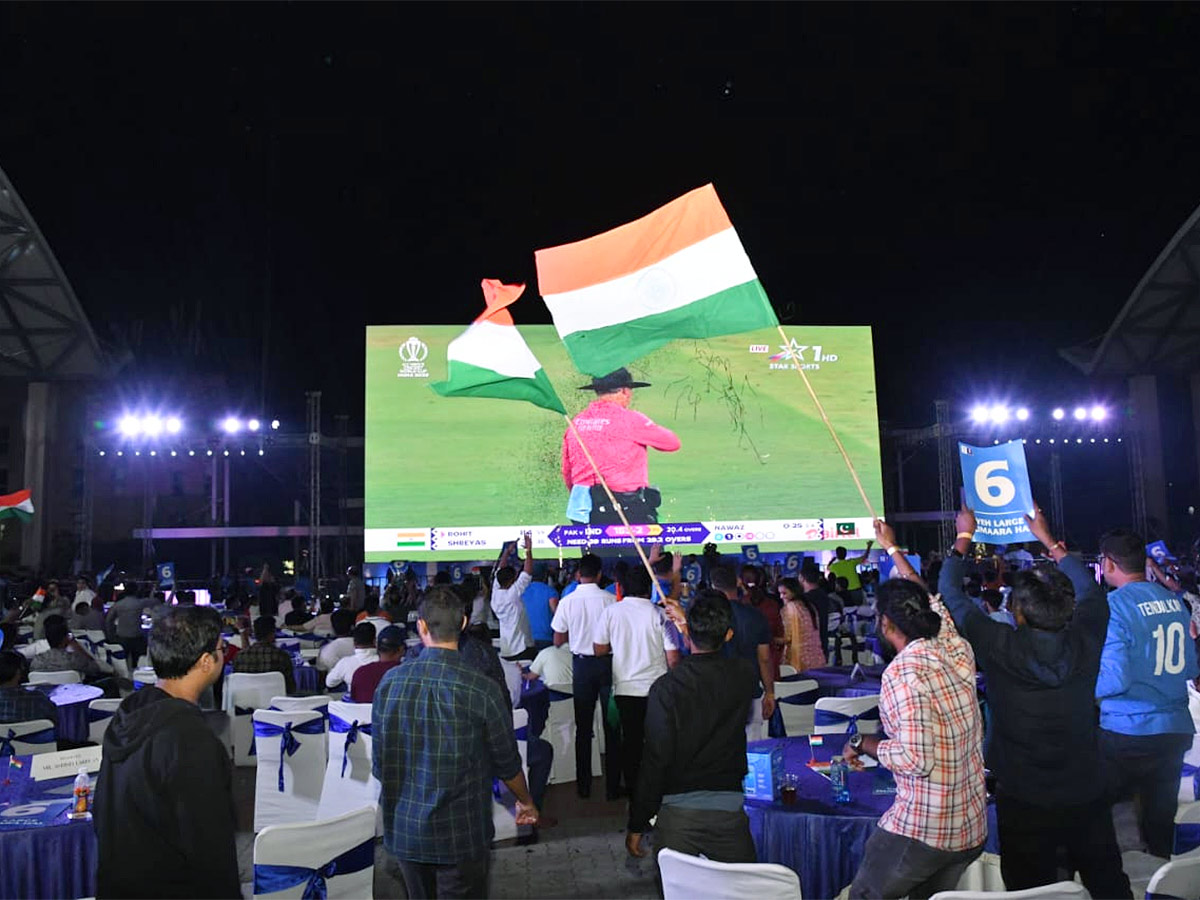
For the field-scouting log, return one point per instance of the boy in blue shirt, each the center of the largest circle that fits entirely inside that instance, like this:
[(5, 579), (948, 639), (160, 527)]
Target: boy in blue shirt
[(1148, 659)]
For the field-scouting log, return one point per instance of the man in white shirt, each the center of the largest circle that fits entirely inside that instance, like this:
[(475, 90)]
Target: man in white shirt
[(632, 631), (553, 666), (574, 623), (364, 652), (516, 639), (342, 645)]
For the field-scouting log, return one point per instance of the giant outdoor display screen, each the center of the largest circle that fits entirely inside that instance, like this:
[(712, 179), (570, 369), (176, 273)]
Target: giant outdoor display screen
[(456, 477)]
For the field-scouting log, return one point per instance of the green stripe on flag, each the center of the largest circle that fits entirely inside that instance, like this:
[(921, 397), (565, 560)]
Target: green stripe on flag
[(13, 512), (466, 380), (410, 543), (603, 350)]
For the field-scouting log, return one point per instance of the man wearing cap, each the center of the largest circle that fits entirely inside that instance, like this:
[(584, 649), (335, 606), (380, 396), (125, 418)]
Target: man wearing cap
[(390, 645), (617, 438)]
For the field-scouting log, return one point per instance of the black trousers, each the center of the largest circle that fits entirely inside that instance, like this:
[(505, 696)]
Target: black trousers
[(592, 683), (467, 878), (896, 866), (1147, 767), (1033, 839), (723, 836), (633, 737)]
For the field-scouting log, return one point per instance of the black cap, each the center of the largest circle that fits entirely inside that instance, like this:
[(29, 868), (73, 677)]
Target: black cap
[(613, 381)]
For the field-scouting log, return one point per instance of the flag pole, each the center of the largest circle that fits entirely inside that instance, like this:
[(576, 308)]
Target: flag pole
[(616, 506), (829, 425)]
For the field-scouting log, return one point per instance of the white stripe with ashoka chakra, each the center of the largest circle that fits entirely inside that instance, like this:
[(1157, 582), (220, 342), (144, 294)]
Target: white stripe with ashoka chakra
[(500, 348), (707, 267)]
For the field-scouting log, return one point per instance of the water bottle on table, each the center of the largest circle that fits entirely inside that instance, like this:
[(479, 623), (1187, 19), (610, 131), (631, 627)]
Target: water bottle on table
[(839, 778), (82, 794)]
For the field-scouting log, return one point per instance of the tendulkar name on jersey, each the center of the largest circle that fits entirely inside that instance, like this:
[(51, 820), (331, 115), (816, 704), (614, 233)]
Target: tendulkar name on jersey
[(1159, 607)]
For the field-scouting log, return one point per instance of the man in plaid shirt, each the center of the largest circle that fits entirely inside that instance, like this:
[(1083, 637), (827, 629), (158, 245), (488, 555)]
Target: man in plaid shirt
[(934, 746), (441, 732)]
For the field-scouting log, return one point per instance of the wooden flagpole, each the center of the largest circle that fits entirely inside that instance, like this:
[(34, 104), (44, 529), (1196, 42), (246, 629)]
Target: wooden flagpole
[(620, 512), (825, 418)]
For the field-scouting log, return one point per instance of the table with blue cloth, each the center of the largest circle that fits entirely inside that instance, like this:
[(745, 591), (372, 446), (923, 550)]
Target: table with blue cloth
[(71, 701), (823, 841), (837, 681), (535, 700), (57, 859), (308, 679)]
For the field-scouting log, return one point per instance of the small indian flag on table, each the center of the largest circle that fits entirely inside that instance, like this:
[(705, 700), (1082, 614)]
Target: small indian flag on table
[(679, 272), (16, 506)]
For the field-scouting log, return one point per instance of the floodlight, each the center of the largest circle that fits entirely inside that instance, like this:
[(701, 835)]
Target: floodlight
[(191, 453), (101, 452), (231, 425), (274, 424), (210, 453), (254, 424), (1099, 413), (173, 453), (998, 414), (174, 425), (130, 425), (1080, 414), (1052, 440), (226, 452), (243, 453), (1059, 414), (1022, 414), (260, 452), (979, 414), (154, 453), (152, 425)]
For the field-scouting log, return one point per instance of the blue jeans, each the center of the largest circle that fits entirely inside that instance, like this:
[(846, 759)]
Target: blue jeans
[(896, 866)]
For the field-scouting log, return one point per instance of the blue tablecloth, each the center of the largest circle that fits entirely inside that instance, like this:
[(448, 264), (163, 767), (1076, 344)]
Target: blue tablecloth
[(49, 861), (308, 680), (822, 841), (535, 699), (72, 702), (835, 681)]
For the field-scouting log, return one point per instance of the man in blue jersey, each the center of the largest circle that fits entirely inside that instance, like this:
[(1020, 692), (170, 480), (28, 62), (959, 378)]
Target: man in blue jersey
[(1147, 661), (540, 601)]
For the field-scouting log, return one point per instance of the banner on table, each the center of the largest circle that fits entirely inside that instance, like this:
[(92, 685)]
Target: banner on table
[(996, 482)]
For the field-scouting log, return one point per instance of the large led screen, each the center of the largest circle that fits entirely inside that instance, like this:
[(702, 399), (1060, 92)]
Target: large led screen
[(456, 477)]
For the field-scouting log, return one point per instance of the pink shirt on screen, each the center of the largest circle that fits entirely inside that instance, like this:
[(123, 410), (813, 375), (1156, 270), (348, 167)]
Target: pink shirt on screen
[(617, 438)]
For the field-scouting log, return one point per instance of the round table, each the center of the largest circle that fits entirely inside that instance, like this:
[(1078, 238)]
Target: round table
[(71, 701), (837, 681), (822, 841)]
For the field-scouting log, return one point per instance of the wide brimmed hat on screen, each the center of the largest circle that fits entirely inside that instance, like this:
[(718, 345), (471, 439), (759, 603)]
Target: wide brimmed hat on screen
[(613, 381)]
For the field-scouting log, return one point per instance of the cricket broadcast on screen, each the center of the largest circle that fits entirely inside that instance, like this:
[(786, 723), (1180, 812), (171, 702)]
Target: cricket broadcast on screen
[(456, 478)]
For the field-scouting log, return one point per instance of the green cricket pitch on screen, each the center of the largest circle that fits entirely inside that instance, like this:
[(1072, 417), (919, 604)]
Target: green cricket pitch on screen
[(453, 478)]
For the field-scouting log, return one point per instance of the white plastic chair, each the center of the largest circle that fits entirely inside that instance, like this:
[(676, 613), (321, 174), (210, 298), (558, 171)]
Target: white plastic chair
[(1060, 890), (560, 732), (687, 877), (504, 810), (59, 676), (300, 772), (115, 657), (863, 710), (28, 738), (1187, 829), (1179, 878), (244, 693), (349, 783), (100, 713), (144, 677), (796, 701), (348, 839)]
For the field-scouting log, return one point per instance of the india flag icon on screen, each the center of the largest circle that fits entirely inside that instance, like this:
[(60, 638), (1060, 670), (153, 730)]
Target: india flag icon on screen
[(413, 539), (679, 272)]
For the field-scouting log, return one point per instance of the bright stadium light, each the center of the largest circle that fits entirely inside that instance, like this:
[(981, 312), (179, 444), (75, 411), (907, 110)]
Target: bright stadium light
[(152, 425), (254, 424), (231, 424), (174, 424), (1099, 413), (1059, 414), (274, 424), (1022, 414), (130, 425), (998, 414), (1080, 414), (979, 414)]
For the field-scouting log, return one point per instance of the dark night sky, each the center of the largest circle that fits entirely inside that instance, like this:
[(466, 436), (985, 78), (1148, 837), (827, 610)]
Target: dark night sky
[(982, 183)]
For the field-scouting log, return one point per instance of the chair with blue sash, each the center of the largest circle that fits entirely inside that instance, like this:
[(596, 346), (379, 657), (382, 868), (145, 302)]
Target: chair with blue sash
[(1177, 880), (1060, 890), (349, 783), (114, 655), (504, 804), (56, 676), (319, 703), (244, 693), (100, 713), (686, 877), (795, 700), (560, 732), (1187, 828), (845, 715), (290, 749), (144, 677), (329, 858), (27, 738)]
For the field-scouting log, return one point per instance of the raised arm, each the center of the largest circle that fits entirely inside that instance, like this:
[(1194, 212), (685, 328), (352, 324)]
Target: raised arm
[(887, 537), (528, 567)]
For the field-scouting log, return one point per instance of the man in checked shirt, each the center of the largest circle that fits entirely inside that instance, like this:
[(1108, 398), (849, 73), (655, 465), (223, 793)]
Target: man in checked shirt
[(934, 745)]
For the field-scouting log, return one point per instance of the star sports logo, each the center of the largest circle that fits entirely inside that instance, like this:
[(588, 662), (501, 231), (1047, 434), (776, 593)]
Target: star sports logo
[(794, 352)]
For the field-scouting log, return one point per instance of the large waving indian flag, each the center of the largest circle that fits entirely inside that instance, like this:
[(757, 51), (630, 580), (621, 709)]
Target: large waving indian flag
[(16, 506), (680, 272), (491, 359)]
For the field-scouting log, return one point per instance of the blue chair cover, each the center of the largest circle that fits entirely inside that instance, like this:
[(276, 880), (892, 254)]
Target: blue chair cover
[(116, 654), (288, 744), (558, 696), (1150, 896), (98, 715), (323, 710), (270, 879), (826, 717), (808, 698), (1187, 837), (45, 736), (351, 730), (1193, 771)]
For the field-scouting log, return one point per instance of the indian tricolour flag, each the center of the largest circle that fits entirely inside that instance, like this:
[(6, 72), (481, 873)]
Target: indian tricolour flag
[(491, 359), (16, 506), (680, 272)]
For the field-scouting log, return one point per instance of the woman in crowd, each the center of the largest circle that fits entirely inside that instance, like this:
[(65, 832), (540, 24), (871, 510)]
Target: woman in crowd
[(801, 633)]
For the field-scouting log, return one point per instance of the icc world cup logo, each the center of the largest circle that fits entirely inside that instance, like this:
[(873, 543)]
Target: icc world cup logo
[(412, 355)]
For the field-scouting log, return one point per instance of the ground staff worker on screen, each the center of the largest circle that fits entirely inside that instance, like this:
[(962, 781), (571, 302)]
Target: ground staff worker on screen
[(617, 438)]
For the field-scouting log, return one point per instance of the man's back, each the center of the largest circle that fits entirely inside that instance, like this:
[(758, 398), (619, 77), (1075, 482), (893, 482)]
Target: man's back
[(441, 732), (163, 814), (515, 636), (537, 599), (634, 630), (750, 629), (578, 613), (848, 569)]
